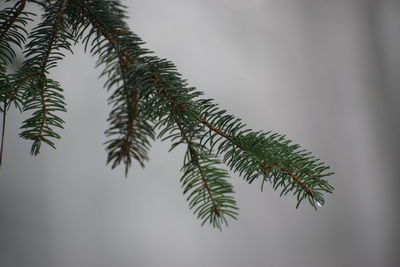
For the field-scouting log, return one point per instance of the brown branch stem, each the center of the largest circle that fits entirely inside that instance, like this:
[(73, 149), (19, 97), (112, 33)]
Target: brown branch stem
[(3, 132)]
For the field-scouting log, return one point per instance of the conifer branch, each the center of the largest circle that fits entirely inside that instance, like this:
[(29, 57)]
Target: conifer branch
[(19, 85), (195, 161), (54, 33), (147, 94), (209, 202), (288, 176), (133, 141), (265, 168), (235, 161), (43, 52), (12, 31), (7, 24)]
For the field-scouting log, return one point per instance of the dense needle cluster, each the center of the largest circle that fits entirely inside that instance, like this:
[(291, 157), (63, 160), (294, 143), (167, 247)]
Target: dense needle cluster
[(149, 100)]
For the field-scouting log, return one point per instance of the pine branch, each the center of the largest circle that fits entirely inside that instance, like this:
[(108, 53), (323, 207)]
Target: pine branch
[(54, 33), (12, 30), (43, 94), (265, 168), (131, 128), (13, 22), (6, 25), (253, 155), (267, 155), (147, 94), (209, 192)]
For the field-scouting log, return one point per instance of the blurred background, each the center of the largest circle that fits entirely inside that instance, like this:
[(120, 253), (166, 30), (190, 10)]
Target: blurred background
[(325, 73)]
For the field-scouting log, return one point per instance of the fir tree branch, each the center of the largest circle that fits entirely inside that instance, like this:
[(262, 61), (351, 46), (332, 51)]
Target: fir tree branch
[(277, 165), (147, 94), (131, 130), (44, 97), (7, 24), (54, 33), (19, 84), (194, 156), (276, 170), (131, 141), (210, 198), (133, 101), (109, 35), (43, 65), (265, 168), (12, 30), (195, 160)]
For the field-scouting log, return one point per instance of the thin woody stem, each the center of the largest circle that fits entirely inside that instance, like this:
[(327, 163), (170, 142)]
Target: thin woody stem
[(3, 132)]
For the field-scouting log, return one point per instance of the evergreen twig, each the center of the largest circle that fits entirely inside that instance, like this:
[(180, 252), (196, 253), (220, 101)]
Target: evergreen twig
[(147, 95)]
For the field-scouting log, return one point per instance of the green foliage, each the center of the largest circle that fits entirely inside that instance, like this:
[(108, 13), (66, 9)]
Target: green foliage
[(131, 128), (149, 100), (13, 21)]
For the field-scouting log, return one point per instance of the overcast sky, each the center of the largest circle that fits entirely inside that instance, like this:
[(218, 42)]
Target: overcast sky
[(325, 73)]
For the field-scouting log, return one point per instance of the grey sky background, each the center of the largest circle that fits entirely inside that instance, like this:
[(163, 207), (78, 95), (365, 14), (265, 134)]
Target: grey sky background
[(325, 73)]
